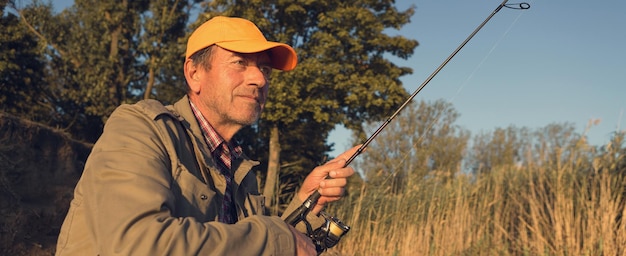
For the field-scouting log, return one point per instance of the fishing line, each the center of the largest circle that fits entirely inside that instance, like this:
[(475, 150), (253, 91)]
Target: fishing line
[(480, 64), (324, 238), (420, 139), (434, 73)]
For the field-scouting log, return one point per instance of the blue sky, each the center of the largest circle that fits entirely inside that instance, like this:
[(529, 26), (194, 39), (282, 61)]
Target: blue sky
[(559, 61)]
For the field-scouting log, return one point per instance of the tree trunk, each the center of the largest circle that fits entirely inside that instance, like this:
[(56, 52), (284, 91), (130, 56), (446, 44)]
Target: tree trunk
[(150, 84), (273, 167)]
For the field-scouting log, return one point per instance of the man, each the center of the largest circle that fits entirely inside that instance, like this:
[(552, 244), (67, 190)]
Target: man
[(169, 180)]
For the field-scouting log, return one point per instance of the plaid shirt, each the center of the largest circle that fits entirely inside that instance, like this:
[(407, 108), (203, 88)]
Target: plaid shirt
[(223, 153)]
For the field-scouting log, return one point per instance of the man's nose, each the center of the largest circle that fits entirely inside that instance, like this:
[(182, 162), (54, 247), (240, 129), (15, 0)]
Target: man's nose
[(257, 76)]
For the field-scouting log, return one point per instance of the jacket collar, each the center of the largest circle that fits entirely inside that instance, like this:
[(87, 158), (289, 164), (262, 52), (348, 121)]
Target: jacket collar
[(182, 111)]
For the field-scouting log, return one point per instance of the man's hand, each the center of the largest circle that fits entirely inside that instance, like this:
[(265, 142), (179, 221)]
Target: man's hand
[(304, 244), (329, 179)]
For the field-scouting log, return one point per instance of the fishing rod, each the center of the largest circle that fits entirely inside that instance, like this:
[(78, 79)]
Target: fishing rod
[(329, 234)]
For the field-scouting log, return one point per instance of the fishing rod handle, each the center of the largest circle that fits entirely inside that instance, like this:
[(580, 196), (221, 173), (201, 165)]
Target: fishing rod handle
[(299, 214)]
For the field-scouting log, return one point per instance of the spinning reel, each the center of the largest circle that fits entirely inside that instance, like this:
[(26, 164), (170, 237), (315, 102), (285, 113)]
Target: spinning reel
[(327, 235)]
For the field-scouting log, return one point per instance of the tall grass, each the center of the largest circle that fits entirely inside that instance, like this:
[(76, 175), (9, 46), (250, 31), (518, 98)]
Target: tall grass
[(569, 202)]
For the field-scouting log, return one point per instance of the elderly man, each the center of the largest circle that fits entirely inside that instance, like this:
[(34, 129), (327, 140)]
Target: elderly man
[(169, 180)]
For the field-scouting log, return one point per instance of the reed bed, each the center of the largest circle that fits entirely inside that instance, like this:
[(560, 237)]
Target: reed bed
[(569, 202)]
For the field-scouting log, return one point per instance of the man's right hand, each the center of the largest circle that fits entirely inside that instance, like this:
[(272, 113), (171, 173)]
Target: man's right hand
[(304, 245)]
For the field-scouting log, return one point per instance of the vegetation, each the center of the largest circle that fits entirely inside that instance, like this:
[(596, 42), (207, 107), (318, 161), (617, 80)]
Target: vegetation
[(424, 188), (343, 76), (561, 196), (37, 179), (90, 58)]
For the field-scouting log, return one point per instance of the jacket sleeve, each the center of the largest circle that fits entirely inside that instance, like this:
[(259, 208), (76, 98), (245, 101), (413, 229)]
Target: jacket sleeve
[(128, 202)]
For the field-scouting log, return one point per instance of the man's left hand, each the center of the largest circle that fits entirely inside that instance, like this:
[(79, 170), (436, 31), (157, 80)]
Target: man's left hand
[(329, 179)]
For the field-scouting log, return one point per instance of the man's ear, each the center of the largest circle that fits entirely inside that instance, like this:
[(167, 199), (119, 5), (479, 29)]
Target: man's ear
[(191, 75)]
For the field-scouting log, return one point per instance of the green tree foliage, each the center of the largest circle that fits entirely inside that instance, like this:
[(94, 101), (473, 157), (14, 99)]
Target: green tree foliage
[(21, 66), (162, 44), (93, 59), (422, 141), (343, 75), (100, 54)]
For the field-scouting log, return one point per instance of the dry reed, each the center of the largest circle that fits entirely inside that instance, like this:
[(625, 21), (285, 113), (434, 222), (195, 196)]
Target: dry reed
[(553, 205)]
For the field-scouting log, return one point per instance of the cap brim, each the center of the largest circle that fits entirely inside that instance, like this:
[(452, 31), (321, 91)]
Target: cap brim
[(283, 56)]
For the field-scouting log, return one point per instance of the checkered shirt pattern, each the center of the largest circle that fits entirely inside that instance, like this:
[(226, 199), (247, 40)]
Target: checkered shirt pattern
[(223, 153)]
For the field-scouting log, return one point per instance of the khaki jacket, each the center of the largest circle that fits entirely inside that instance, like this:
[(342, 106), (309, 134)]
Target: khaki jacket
[(150, 187)]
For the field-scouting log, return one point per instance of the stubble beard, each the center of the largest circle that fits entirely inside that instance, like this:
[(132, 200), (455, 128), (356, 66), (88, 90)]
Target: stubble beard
[(248, 119)]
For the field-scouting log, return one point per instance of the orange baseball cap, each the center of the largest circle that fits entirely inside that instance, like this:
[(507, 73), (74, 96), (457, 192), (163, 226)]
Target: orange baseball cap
[(242, 36)]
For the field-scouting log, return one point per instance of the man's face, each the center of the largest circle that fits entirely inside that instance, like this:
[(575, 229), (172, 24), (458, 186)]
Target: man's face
[(233, 91)]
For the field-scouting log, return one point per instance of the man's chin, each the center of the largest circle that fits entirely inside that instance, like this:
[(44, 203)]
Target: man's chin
[(249, 120)]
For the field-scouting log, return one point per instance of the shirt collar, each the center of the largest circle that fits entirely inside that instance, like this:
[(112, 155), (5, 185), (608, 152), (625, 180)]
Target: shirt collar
[(212, 138)]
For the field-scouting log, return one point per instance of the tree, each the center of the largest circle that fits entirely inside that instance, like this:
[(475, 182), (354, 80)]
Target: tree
[(296, 159), (100, 54), (21, 66), (422, 141), (343, 76), (553, 146), (503, 147), (89, 60), (161, 45)]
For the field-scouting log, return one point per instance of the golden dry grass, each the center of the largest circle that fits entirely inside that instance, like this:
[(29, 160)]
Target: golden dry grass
[(562, 206)]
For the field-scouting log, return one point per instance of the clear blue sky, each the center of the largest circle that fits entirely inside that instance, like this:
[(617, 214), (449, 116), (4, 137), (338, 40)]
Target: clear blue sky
[(560, 61)]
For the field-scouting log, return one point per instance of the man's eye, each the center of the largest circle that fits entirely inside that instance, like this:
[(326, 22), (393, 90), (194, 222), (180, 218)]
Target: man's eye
[(266, 70)]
